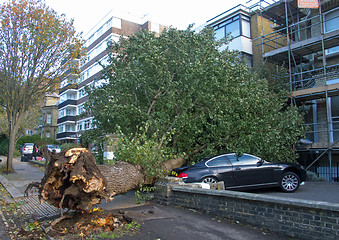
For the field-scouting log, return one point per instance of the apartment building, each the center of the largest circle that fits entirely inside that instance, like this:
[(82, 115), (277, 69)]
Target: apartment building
[(235, 23), (48, 123), (306, 42), (71, 120)]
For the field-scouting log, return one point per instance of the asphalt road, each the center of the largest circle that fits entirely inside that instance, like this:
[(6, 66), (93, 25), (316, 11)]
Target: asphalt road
[(167, 223), (313, 191)]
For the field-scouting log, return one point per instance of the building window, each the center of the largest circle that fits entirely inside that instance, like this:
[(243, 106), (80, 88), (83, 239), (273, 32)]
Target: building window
[(80, 109), (70, 128), (219, 33), (49, 118), (61, 113), (87, 124), (331, 24), (60, 128), (48, 135), (79, 126), (335, 117), (245, 26), (229, 27), (332, 21)]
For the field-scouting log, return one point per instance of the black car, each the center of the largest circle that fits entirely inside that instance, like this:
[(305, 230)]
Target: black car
[(243, 172)]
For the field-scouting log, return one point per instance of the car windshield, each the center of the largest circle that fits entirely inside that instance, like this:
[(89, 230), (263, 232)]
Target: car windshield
[(53, 146)]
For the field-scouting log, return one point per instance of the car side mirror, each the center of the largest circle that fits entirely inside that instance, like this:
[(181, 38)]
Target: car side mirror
[(260, 162)]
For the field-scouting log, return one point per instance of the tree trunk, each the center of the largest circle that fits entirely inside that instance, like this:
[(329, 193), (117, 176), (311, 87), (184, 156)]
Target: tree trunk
[(13, 128), (123, 177)]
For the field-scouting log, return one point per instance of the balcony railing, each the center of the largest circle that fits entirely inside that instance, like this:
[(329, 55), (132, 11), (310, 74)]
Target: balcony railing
[(67, 119), (69, 135), (67, 102)]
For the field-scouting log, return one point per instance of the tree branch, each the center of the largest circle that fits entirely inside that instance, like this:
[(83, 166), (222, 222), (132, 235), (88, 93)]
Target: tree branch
[(153, 102)]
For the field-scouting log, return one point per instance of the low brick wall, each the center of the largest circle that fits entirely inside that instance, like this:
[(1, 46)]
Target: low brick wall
[(297, 218)]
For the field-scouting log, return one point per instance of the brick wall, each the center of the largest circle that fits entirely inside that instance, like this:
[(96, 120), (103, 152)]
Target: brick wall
[(297, 218)]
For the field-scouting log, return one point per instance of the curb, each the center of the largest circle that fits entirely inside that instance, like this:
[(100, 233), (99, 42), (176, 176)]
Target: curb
[(13, 191)]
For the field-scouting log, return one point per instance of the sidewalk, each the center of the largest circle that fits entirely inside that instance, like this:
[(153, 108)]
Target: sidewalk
[(24, 173), (157, 221)]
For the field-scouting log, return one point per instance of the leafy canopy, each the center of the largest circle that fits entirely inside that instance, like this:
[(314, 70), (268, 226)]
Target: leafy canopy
[(208, 100), (37, 46)]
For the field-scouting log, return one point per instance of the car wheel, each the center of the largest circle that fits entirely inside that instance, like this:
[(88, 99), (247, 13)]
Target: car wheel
[(289, 182), (209, 180)]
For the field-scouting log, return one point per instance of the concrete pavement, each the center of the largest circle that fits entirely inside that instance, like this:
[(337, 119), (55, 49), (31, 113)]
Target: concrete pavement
[(157, 222)]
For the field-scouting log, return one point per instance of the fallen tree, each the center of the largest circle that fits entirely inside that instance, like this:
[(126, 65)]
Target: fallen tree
[(74, 181)]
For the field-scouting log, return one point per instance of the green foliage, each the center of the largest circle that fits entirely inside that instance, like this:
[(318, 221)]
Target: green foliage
[(97, 139), (67, 146), (46, 141), (128, 229), (140, 149), (143, 193), (28, 139), (209, 99), (4, 146)]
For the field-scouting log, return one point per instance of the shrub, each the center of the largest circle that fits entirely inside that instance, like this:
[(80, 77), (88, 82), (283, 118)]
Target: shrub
[(143, 150), (28, 139), (67, 146)]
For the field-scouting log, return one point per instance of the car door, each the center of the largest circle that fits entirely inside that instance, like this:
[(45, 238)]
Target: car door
[(222, 169), (248, 170)]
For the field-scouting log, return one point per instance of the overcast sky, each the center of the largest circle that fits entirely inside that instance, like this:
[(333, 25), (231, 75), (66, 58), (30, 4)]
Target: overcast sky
[(176, 13)]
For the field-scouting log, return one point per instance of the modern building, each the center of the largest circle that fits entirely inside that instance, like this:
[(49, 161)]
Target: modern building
[(305, 41), (235, 23), (48, 122), (71, 121)]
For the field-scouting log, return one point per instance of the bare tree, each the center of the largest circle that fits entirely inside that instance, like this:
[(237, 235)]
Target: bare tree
[(37, 46)]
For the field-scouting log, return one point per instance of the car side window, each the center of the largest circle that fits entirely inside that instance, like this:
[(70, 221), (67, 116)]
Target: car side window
[(219, 161), (245, 159)]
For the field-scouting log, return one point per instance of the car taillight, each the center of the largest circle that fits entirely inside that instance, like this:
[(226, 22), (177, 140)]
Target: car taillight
[(183, 175), (24, 149)]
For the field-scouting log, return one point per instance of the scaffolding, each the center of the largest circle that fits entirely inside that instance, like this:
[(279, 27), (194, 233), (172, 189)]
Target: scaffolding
[(300, 40)]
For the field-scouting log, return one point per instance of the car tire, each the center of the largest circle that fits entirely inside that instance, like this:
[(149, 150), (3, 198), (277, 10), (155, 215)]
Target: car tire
[(209, 180), (23, 159), (289, 182)]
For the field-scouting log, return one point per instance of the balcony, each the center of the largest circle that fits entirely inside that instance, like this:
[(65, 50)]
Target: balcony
[(67, 119), (67, 102), (67, 135), (68, 86)]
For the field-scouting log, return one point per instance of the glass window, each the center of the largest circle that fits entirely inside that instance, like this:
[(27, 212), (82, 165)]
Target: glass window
[(335, 117), (79, 126), (61, 113), (245, 159), (233, 29), (49, 118), (220, 33), (246, 28), (332, 21), (60, 128), (218, 162)]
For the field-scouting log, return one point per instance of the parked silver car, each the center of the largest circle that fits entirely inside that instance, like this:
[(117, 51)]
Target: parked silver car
[(53, 148), (26, 152)]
